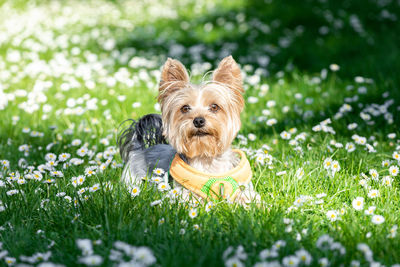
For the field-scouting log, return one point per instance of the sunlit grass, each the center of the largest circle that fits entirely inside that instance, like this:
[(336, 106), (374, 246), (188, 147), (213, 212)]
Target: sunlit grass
[(80, 80)]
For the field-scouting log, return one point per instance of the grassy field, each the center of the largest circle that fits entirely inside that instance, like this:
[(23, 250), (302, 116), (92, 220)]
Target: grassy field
[(320, 127)]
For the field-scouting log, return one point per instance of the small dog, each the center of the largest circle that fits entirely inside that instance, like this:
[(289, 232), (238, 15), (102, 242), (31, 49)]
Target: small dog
[(199, 122)]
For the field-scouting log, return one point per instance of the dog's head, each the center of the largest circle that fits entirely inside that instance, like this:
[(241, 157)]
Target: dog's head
[(201, 120)]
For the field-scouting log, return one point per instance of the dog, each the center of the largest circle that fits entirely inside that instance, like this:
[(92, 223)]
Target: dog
[(200, 123)]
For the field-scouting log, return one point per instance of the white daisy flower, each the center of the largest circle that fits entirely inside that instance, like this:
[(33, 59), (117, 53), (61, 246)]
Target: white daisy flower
[(350, 147), (304, 256), (50, 157), (134, 191), (163, 187), (81, 152), (271, 122), (299, 173), (394, 170), (378, 219), (358, 203), (63, 157), (192, 213), (91, 260), (285, 135), (387, 180), (370, 210), (335, 167), (327, 163), (396, 156), (385, 163), (374, 174), (291, 261), (332, 215), (94, 188), (373, 193), (158, 171)]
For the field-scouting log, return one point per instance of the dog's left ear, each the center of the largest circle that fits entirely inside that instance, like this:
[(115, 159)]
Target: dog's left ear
[(228, 73), (173, 77)]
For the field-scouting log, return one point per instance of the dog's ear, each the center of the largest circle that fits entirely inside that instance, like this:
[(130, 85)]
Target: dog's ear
[(228, 73), (173, 77)]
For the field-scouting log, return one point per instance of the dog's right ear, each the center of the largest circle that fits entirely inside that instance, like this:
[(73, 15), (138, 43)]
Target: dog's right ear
[(173, 77)]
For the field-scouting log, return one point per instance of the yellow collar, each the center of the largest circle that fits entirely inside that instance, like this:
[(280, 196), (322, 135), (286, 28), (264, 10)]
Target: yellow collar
[(212, 186)]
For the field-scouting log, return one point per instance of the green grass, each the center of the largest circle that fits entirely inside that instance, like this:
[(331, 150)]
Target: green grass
[(279, 45)]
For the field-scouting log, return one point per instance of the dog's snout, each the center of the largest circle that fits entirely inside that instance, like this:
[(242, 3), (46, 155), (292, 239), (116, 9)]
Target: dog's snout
[(199, 122)]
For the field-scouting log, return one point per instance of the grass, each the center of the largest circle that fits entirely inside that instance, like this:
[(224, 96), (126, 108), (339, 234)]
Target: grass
[(76, 57)]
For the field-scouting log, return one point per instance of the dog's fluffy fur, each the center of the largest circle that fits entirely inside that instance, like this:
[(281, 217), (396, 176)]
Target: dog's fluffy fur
[(199, 122)]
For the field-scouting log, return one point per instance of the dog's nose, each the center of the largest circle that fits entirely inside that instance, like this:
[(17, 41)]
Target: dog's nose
[(199, 122)]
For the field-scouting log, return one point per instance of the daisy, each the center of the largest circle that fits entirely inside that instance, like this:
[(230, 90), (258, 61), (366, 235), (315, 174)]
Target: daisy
[(332, 215), (81, 191), (394, 170), (85, 245), (64, 156), (352, 126), (358, 203), (50, 157), (51, 164), (335, 166), (209, 206), (192, 213), (271, 122), (94, 188), (291, 260), (304, 256), (49, 181), (76, 142), (370, 210), (396, 155), (163, 186), (374, 174), (327, 163), (9, 260), (373, 193), (158, 171), (387, 180), (135, 191), (145, 256), (252, 137), (377, 219), (37, 175), (174, 192), (91, 170), (12, 192), (91, 260), (323, 262), (350, 147), (385, 163), (299, 173), (285, 135), (334, 67), (233, 262), (157, 179), (81, 152), (393, 231)]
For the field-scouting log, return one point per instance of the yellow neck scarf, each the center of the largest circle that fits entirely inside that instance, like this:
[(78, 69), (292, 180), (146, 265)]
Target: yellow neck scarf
[(212, 186)]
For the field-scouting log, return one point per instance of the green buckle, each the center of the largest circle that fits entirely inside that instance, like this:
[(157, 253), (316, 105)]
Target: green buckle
[(218, 195)]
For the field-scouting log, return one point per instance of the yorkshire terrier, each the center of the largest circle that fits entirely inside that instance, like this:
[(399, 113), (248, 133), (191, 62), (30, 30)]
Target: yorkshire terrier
[(199, 121)]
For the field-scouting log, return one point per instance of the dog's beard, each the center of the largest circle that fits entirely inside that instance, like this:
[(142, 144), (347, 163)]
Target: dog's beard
[(200, 143)]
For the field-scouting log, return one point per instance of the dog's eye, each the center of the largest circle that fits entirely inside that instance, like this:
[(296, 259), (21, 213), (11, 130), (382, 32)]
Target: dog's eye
[(185, 109), (214, 107)]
